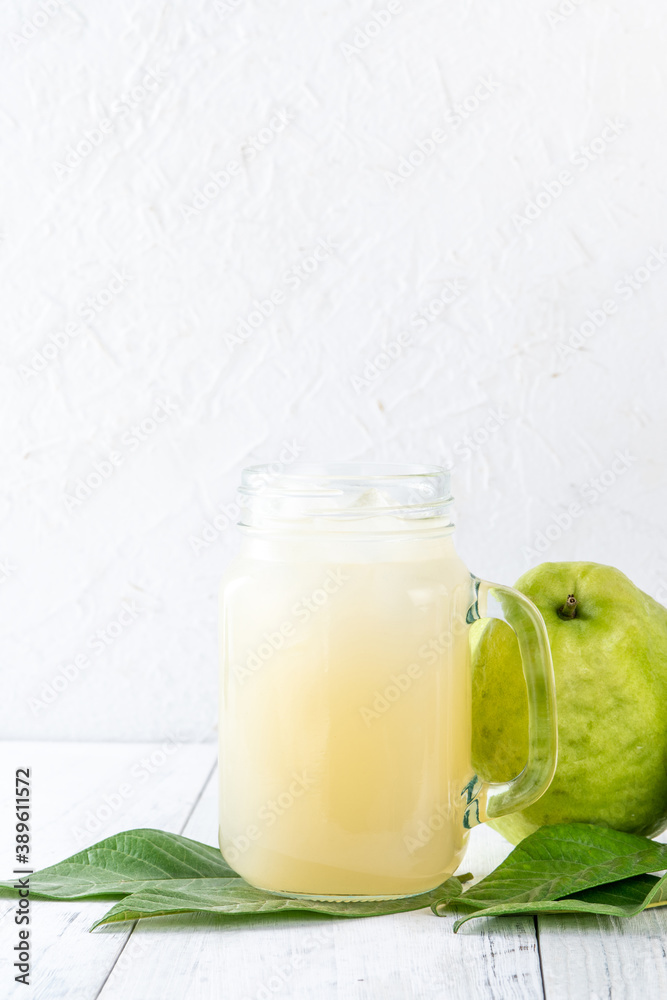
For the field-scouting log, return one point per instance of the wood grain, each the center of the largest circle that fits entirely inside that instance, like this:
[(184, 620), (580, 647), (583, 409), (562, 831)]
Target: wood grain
[(588, 957), (399, 957), (70, 784), (410, 956)]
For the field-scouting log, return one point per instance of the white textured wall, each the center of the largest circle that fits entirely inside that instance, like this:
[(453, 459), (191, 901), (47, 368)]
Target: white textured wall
[(143, 268)]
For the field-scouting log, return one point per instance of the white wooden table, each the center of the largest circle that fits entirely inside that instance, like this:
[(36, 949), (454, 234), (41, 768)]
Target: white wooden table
[(76, 802)]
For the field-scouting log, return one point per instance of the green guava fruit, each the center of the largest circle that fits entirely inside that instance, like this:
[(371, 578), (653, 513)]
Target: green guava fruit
[(609, 645)]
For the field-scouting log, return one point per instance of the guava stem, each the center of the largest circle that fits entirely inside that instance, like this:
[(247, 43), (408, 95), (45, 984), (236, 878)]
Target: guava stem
[(569, 609)]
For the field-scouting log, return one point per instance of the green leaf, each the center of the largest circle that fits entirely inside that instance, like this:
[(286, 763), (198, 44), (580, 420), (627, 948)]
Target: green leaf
[(559, 860), (234, 897), (127, 862), (573, 867), (562, 861), (164, 873), (625, 898)]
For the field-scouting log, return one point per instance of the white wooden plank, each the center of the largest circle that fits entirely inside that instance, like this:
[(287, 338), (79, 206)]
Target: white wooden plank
[(74, 785), (399, 957), (588, 957), (404, 956)]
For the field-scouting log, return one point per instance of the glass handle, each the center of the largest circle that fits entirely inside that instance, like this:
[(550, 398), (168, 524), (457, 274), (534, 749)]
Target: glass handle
[(486, 799)]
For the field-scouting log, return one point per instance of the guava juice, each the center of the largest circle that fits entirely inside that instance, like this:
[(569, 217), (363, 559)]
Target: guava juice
[(345, 714)]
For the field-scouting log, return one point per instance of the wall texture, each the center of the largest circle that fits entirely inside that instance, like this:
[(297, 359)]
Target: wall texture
[(236, 231)]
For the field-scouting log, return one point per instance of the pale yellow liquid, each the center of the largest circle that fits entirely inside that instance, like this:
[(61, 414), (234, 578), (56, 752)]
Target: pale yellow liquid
[(344, 753)]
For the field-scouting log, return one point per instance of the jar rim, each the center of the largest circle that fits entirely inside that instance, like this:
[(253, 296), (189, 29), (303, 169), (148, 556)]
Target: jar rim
[(343, 491), (352, 470)]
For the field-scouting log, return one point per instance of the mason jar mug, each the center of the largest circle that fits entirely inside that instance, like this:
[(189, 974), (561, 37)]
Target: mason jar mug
[(345, 696)]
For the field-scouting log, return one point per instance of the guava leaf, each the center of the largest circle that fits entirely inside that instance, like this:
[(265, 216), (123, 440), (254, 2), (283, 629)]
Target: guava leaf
[(234, 897), (164, 873), (625, 898), (125, 863), (573, 867), (562, 861)]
